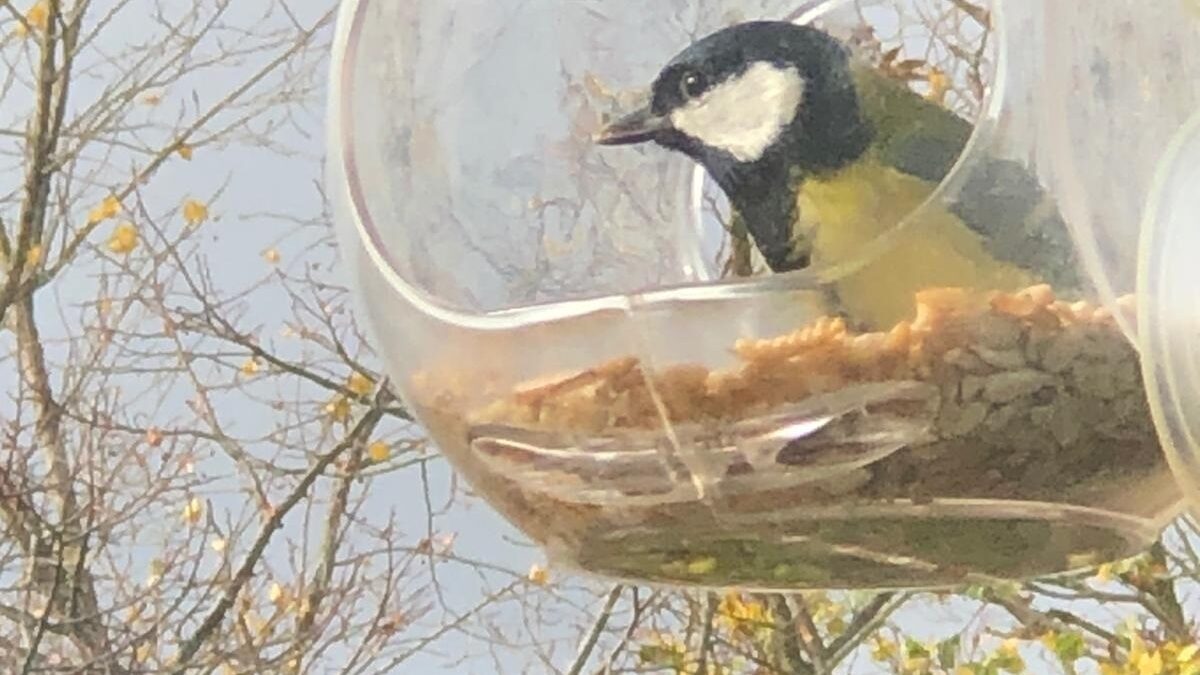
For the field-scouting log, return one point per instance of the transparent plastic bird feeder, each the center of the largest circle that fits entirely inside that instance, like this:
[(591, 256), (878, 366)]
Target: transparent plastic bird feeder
[(595, 345)]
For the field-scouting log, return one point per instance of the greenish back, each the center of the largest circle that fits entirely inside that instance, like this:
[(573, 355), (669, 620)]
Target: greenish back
[(913, 134), (1000, 198)]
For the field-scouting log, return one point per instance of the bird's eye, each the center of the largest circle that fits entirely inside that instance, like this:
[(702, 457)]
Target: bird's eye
[(692, 84)]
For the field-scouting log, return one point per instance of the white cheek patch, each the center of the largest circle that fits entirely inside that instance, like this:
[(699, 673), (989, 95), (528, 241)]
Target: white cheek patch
[(746, 114)]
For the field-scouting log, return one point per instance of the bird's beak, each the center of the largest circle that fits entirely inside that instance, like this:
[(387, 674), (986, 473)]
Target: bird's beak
[(638, 126)]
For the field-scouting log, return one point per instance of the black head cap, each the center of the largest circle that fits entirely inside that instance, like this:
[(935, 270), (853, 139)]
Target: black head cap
[(826, 132), (758, 104)]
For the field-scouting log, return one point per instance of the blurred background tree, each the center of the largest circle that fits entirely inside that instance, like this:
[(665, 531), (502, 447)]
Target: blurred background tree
[(203, 467)]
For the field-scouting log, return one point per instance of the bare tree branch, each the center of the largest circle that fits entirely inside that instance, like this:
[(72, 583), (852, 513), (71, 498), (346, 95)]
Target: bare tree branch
[(192, 644), (588, 645)]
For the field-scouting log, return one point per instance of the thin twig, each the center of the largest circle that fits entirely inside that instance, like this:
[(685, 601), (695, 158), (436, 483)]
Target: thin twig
[(865, 623), (44, 620), (168, 150), (634, 621), (593, 635), (711, 601), (37, 177), (791, 655), (810, 638), (193, 644)]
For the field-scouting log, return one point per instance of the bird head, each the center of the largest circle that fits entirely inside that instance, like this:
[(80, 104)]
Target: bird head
[(757, 104)]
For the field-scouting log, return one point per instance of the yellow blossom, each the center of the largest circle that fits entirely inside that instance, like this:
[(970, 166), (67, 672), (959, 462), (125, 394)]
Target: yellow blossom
[(379, 451), (123, 239), (915, 664), (195, 212), (1137, 647), (271, 255), (219, 544), (185, 151), (939, 84), (884, 650), (256, 623), (539, 575), (338, 409), (109, 208), (742, 614), (1010, 654), (360, 384), (143, 652), (250, 367), (277, 594), (303, 607), (38, 15), (1187, 653), (193, 511), (1150, 663)]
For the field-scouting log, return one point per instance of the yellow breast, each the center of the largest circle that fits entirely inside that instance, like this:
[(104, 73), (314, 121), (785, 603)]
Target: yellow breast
[(844, 217)]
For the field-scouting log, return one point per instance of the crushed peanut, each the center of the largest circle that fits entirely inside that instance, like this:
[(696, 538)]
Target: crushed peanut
[(1035, 400)]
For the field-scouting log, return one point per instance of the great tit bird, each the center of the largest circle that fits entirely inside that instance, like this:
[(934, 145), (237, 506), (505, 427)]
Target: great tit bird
[(820, 154)]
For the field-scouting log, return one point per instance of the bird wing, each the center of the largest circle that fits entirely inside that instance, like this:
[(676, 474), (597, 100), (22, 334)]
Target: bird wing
[(1000, 199)]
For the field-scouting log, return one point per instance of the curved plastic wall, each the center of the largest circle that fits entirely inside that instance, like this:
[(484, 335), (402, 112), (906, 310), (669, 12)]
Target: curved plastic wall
[(561, 315)]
